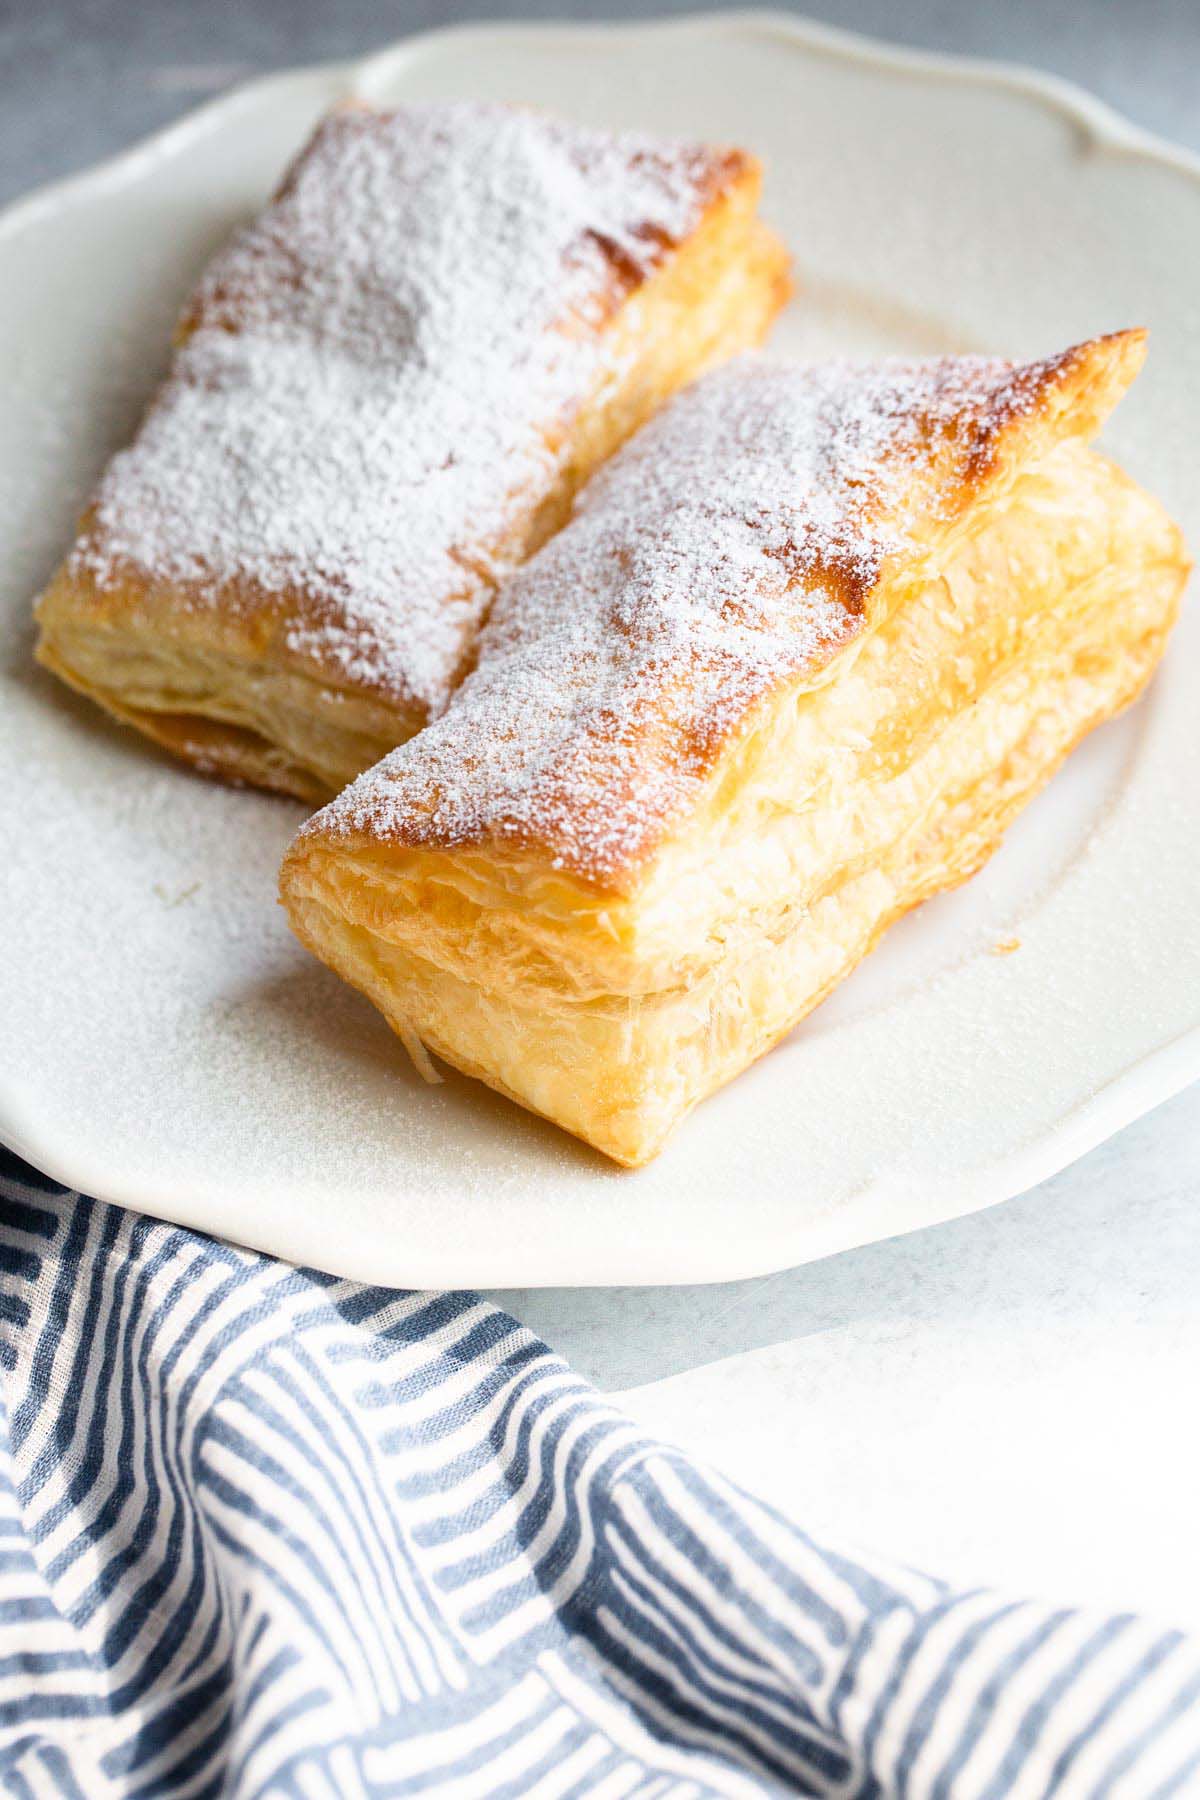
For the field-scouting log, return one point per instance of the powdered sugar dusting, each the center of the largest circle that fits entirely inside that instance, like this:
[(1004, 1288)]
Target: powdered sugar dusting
[(732, 546), (379, 373)]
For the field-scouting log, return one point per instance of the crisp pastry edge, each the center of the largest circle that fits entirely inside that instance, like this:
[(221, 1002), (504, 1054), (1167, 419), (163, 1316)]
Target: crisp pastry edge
[(336, 729), (1132, 652)]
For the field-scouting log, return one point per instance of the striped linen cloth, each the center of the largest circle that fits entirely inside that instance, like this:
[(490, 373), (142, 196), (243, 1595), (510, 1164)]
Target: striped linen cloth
[(265, 1532)]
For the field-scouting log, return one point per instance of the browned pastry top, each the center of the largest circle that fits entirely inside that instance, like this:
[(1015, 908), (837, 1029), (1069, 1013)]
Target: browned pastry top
[(378, 370), (740, 542)]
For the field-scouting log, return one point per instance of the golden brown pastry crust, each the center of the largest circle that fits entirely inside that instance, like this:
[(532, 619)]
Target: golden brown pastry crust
[(273, 582), (852, 620)]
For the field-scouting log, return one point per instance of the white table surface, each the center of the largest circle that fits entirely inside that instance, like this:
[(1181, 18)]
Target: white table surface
[(1012, 1397)]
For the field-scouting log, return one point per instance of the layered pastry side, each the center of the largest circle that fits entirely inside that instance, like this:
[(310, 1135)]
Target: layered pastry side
[(386, 391), (809, 644)]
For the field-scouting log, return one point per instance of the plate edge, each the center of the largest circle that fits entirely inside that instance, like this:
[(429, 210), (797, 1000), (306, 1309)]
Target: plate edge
[(1108, 126), (1139, 1087)]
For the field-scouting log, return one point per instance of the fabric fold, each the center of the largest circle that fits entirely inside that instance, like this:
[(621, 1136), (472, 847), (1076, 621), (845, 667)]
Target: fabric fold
[(268, 1532)]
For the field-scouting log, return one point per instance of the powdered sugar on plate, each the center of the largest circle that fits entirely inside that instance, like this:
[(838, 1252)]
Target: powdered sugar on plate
[(731, 546), (379, 373)]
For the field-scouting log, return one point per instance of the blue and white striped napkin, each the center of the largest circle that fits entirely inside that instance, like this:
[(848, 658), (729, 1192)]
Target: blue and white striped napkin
[(269, 1533)]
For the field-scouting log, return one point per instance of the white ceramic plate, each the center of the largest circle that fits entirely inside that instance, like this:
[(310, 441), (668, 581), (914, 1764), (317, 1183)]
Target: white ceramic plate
[(166, 1044)]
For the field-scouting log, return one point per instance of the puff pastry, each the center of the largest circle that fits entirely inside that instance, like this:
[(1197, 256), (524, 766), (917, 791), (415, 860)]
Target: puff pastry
[(385, 393), (810, 642)]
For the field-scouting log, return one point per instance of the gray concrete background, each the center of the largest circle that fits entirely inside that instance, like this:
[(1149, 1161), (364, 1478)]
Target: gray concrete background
[(79, 79)]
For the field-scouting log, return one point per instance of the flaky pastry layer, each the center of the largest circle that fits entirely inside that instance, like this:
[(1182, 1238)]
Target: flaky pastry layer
[(182, 614), (849, 789)]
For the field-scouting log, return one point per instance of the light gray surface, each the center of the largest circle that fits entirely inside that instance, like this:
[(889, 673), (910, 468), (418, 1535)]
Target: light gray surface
[(81, 78), (1010, 1399), (1118, 1235)]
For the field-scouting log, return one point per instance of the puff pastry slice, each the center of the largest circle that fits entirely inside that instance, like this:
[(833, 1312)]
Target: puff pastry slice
[(385, 393), (809, 644)]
